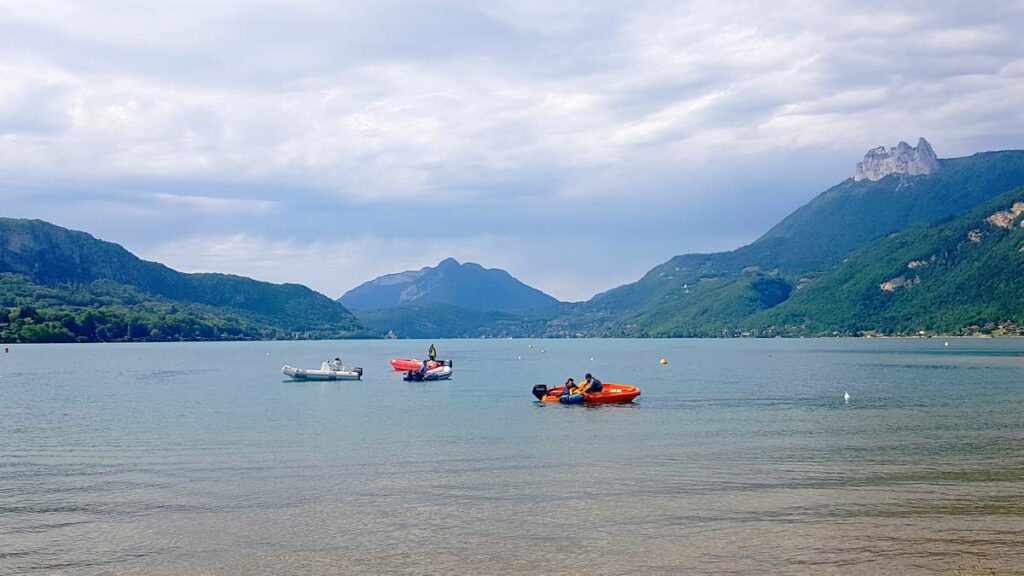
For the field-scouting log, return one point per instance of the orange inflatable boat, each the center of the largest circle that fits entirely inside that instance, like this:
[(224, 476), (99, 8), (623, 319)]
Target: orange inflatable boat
[(609, 394)]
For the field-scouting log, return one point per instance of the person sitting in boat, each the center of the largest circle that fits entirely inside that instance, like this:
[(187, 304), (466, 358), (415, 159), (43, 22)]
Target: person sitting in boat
[(423, 368), (432, 353), (336, 365), (591, 385), (570, 388)]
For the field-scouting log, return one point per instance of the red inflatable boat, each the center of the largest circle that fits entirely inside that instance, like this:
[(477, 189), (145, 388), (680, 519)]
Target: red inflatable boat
[(406, 364)]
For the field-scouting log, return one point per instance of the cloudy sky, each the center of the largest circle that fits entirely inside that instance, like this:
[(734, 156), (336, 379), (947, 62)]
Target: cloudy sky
[(574, 143)]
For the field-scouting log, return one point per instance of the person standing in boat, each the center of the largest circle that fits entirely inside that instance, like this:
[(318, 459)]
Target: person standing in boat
[(432, 353), (336, 365), (591, 385)]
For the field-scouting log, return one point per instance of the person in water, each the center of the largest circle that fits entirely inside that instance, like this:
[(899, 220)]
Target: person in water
[(570, 388), (591, 385), (432, 353)]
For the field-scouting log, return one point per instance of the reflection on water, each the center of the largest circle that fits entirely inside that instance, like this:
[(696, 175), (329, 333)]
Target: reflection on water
[(740, 457)]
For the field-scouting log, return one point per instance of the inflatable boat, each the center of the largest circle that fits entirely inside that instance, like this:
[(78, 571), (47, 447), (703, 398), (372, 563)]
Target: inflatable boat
[(327, 371), (442, 372), (609, 394), (406, 364)]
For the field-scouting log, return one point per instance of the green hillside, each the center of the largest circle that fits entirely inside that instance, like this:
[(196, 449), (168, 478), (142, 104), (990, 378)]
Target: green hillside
[(57, 273), (965, 275)]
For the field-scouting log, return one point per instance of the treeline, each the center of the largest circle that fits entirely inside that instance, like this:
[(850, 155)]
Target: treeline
[(110, 312), (119, 324)]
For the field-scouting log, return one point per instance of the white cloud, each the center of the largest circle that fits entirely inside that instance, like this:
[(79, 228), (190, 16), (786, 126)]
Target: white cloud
[(212, 204)]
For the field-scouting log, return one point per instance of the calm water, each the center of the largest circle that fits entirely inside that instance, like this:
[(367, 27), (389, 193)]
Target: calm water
[(739, 458)]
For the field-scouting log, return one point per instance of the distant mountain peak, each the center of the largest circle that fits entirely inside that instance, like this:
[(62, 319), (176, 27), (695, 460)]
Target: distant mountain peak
[(900, 159), (466, 285)]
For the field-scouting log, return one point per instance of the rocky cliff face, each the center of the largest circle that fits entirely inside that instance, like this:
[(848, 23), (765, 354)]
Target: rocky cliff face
[(900, 159)]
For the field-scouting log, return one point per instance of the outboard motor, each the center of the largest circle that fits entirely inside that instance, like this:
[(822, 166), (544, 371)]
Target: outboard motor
[(359, 371), (540, 391), (447, 363)]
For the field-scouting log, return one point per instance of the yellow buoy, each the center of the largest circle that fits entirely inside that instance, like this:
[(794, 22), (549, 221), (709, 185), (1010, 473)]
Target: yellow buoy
[(663, 361)]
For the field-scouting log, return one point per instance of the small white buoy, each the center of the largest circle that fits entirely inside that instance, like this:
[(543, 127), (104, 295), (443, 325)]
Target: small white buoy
[(541, 350), (946, 344), (591, 358), (846, 396), (530, 346), (268, 353), (520, 358)]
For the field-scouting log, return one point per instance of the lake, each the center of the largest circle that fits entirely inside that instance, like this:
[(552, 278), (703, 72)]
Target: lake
[(740, 457)]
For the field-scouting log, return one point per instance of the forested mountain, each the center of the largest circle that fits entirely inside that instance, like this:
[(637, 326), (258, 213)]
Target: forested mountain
[(55, 276), (452, 300), (715, 294)]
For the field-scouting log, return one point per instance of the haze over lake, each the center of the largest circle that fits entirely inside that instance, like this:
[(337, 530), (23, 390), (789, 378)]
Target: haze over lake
[(740, 457)]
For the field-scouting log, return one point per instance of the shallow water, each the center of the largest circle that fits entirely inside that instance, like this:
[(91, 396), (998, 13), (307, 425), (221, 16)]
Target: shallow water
[(740, 457)]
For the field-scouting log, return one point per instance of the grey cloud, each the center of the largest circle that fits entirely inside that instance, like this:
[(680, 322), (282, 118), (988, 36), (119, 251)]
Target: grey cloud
[(676, 126)]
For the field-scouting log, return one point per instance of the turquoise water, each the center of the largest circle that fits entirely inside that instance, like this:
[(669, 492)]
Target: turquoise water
[(740, 457)]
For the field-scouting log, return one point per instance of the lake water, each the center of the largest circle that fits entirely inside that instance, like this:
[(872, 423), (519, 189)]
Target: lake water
[(740, 457)]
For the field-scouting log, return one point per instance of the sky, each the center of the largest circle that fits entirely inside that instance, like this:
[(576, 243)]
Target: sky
[(575, 144)]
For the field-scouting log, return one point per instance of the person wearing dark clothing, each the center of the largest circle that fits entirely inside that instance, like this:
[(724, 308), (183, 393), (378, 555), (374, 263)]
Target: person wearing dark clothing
[(570, 388), (591, 385)]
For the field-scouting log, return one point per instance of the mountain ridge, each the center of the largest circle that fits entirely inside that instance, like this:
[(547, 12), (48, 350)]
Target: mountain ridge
[(818, 235), (63, 261)]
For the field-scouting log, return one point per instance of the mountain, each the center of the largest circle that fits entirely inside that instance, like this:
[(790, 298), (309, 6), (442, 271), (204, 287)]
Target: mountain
[(963, 275), (46, 269), (469, 286), (452, 300), (712, 294)]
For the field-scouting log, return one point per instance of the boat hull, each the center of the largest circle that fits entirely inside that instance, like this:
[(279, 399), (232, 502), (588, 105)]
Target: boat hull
[(610, 394), (439, 373), (308, 374)]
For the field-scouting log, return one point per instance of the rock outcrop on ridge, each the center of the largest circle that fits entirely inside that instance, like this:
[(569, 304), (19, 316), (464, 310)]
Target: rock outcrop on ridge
[(900, 159)]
